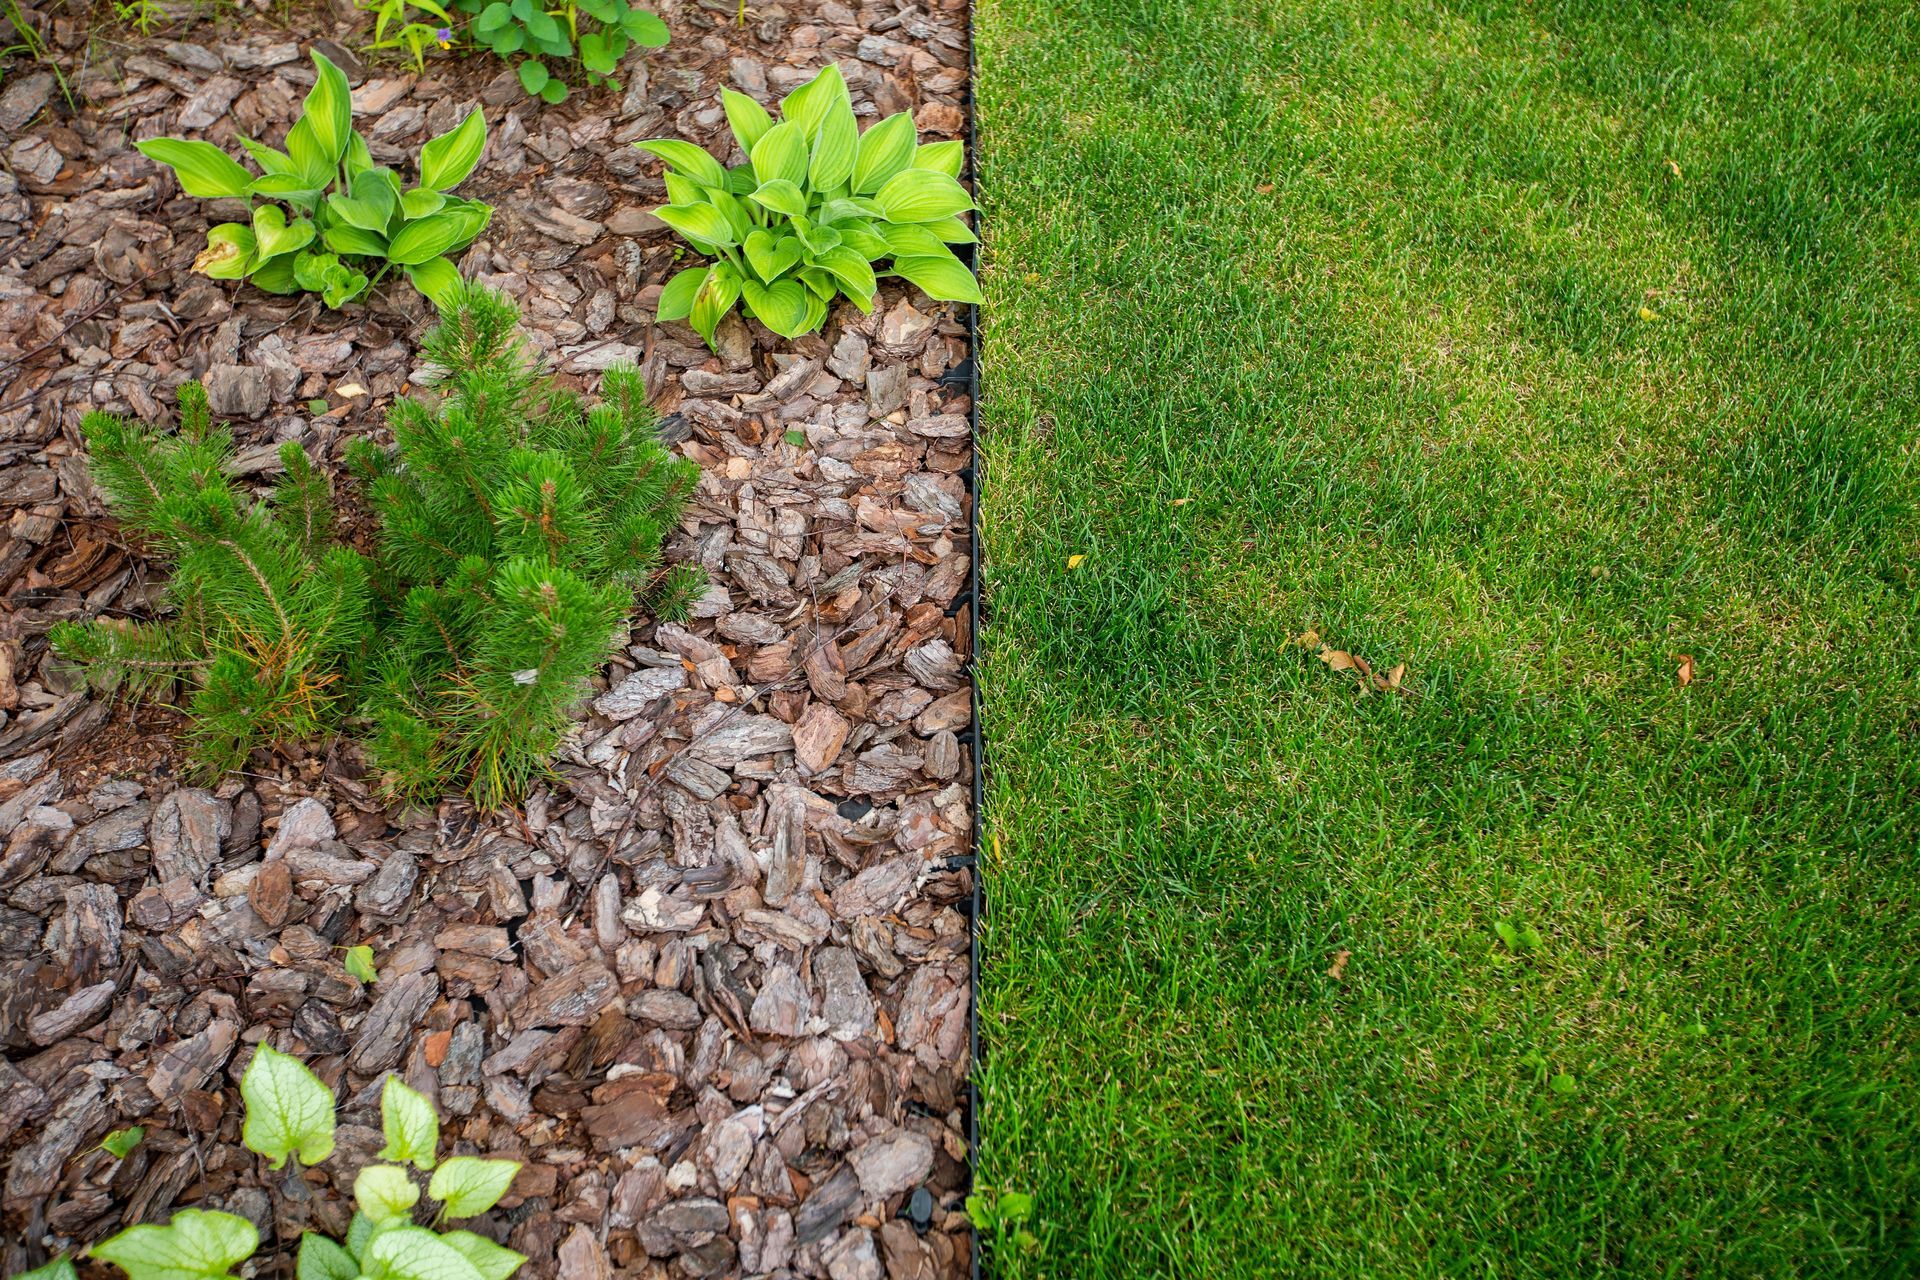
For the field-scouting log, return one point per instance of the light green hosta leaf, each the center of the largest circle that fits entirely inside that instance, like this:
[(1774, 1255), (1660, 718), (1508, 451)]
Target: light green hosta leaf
[(772, 257), (58, 1269), (943, 278), (466, 1185), (820, 283), (289, 1110), (359, 960), (716, 297), (358, 159), (492, 1261), (687, 159), (410, 1253), (910, 241), (269, 160), (816, 314), (782, 196), (420, 202), (229, 254), (684, 190), (275, 275), (204, 170), (921, 195), (855, 274), (448, 159), (884, 150), (322, 1259), (782, 307), (196, 1245), (861, 236), (313, 163), (781, 154), (833, 148), (748, 118), (952, 231), (330, 109), (439, 279), (427, 238), (676, 300), (384, 1191), (413, 1131), (941, 157), (342, 238), (701, 223), (817, 239), (733, 211), (808, 105), (272, 235), (290, 187)]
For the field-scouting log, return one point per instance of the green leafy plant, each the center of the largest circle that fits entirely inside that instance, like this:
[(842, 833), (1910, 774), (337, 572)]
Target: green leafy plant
[(142, 15), (290, 1114), (1000, 1218), (121, 1142), (528, 34), (518, 523), (346, 222), (359, 964), (397, 25), (816, 206)]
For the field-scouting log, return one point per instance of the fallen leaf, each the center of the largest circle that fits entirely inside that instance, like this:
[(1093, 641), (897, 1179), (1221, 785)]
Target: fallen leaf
[(436, 1046), (351, 390), (1073, 562), (1395, 676), (1337, 659), (1673, 165), (1338, 969), (1265, 188), (360, 964), (1685, 672), (1308, 639), (1179, 502)]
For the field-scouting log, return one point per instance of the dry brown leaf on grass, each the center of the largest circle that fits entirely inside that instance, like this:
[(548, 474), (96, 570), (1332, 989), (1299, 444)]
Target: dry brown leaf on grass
[(1684, 673), (1371, 681), (1338, 969)]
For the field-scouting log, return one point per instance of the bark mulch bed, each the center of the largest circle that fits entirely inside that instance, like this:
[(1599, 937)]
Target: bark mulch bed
[(711, 984)]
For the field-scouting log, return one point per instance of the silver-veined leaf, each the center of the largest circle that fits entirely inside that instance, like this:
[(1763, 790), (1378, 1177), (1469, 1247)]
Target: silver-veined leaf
[(289, 1109), (688, 159), (884, 150), (943, 278), (406, 1117), (195, 1245), (204, 170), (748, 118), (322, 1259), (492, 1261), (466, 1185), (921, 195)]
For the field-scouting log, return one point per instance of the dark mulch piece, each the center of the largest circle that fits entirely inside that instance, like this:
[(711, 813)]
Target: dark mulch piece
[(711, 984)]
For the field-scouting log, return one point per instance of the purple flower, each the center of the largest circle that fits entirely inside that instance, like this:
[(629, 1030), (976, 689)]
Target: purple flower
[(444, 34)]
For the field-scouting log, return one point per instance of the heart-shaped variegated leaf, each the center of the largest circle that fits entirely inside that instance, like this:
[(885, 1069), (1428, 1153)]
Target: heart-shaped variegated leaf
[(782, 307), (195, 1245), (289, 1109), (467, 1185), (273, 235)]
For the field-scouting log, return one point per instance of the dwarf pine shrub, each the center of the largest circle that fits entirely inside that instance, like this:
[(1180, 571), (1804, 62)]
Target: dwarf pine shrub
[(523, 522), (517, 524), (270, 616)]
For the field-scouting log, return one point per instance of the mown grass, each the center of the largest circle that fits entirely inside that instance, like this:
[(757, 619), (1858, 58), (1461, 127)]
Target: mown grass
[(1532, 345)]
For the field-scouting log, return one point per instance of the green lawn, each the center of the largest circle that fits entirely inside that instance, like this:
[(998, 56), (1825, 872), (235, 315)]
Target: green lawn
[(1531, 345)]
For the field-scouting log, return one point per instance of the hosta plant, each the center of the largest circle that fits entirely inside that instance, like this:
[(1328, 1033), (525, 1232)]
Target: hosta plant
[(325, 218), (538, 39), (813, 213), (393, 1236)]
